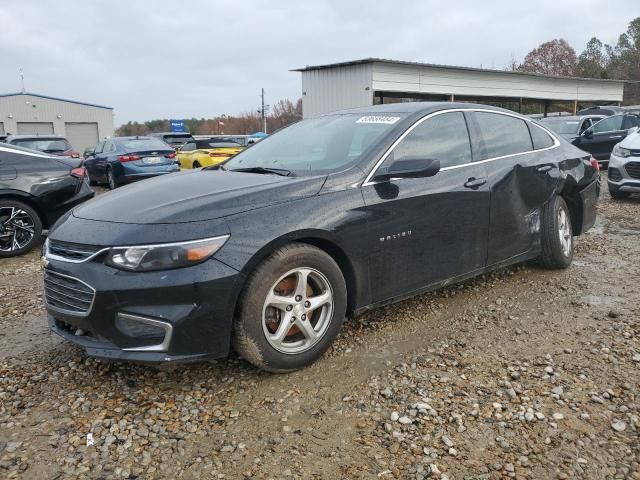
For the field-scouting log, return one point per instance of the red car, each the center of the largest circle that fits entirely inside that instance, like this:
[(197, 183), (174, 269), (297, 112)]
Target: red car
[(51, 144)]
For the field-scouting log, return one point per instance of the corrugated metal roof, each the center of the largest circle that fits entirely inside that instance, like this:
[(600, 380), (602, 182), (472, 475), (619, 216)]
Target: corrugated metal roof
[(434, 65), (54, 98)]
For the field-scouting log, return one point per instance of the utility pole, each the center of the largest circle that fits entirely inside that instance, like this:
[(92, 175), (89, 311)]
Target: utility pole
[(264, 116)]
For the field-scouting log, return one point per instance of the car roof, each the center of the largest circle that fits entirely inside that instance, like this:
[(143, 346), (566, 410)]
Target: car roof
[(573, 117), (173, 134), (419, 108), (36, 137)]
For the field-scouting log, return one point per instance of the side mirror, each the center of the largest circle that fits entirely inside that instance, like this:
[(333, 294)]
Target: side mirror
[(408, 167), (88, 152), (588, 133)]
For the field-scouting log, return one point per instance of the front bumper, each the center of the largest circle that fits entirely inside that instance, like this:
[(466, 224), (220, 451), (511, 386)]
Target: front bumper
[(190, 308), (624, 174)]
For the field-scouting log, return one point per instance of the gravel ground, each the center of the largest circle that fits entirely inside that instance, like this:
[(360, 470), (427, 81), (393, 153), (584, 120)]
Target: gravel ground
[(523, 373)]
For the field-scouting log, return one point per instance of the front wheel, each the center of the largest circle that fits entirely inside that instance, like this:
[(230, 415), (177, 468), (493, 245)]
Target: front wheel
[(291, 309), (556, 235), (20, 228)]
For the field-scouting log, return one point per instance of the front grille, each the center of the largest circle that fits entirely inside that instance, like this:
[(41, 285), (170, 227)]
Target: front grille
[(633, 169), (67, 294), (71, 251), (614, 174)]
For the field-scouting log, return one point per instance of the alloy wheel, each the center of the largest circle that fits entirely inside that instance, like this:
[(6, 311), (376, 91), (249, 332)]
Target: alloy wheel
[(564, 232), (111, 180), (17, 229), (298, 310)]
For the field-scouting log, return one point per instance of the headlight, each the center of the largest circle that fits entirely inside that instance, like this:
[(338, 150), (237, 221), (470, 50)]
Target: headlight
[(145, 258), (618, 151)]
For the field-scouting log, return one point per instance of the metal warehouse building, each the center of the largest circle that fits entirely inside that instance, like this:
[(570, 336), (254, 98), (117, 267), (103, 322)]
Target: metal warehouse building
[(371, 81), (83, 124)]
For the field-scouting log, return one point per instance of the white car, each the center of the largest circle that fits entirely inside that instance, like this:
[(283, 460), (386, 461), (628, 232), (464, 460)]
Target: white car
[(624, 167)]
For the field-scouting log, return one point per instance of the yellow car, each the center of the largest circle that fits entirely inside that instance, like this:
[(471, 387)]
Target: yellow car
[(206, 152)]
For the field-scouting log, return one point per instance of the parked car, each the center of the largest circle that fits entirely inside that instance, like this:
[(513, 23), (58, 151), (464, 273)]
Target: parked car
[(121, 160), (600, 139), (35, 190), (207, 152), (52, 144), (572, 126), (175, 139), (605, 110), (623, 176), (329, 217)]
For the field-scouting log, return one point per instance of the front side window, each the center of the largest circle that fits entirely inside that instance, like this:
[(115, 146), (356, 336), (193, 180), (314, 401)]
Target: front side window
[(503, 134), (188, 147), (317, 145), (443, 137), (610, 124)]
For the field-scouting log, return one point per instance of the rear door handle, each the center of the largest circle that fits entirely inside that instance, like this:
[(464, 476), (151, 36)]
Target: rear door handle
[(545, 168), (475, 182)]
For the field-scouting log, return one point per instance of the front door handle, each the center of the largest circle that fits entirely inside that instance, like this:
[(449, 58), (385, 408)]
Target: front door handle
[(475, 182), (616, 136), (544, 168)]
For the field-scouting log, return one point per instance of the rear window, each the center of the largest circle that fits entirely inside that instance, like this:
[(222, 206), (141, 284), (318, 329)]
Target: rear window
[(177, 138), (541, 139), (140, 144), (503, 134), (51, 145), (216, 144)]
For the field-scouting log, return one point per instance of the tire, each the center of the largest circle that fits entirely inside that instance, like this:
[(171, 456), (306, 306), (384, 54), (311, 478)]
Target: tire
[(111, 181), (617, 194), (20, 234), (303, 338), (556, 253), (196, 164)]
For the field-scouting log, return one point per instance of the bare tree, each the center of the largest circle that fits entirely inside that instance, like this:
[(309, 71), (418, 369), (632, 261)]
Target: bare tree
[(555, 57)]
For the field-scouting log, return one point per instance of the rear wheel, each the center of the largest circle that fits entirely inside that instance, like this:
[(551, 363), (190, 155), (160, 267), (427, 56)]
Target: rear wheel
[(291, 309), (20, 228), (111, 181), (556, 235)]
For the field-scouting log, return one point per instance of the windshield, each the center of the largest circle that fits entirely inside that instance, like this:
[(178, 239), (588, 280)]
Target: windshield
[(177, 139), (324, 144), (50, 145), (561, 126)]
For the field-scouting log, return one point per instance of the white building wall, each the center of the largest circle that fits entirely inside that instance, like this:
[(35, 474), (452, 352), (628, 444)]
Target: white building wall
[(392, 77), (331, 89), (31, 108)]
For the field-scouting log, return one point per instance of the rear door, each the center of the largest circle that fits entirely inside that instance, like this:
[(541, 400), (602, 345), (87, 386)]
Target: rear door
[(522, 179), (428, 230)]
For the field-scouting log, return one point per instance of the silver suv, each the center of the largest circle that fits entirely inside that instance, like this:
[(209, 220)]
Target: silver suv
[(624, 166)]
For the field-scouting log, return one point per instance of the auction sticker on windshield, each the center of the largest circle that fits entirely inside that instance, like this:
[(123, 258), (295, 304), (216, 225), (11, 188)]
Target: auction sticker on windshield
[(378, 119)]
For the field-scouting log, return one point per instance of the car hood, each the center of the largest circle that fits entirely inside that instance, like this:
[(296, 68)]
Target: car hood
[(196, 196), (631, 141)]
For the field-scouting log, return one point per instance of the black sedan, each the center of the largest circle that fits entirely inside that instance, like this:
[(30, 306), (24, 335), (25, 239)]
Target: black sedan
[(35, 190), (600, 138), (327, 218)]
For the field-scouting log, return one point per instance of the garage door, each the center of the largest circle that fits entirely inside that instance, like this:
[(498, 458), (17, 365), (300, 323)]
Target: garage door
[(35, 128), (1, 128), (82, 135)]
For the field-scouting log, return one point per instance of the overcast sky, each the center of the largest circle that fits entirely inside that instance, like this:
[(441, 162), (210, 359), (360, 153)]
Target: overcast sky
[(167, 59)]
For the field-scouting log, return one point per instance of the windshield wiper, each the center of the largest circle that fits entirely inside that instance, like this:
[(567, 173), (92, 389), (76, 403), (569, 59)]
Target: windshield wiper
[(277, 171)]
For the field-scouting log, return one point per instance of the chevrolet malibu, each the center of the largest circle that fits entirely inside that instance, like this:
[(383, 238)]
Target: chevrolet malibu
[(330, 217)]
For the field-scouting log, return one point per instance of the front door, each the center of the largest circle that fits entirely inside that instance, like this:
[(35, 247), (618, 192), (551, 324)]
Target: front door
[(426, 231), (605, 134)]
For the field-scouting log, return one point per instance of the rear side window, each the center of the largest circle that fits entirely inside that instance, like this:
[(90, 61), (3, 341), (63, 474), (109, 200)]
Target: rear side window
[(541, 139), (503, 134), (444, 137)]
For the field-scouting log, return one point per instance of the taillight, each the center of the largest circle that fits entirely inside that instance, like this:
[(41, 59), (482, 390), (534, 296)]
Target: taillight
[(218, 155), (170, 155), (128, 158), (79, 172), (595, 164)]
